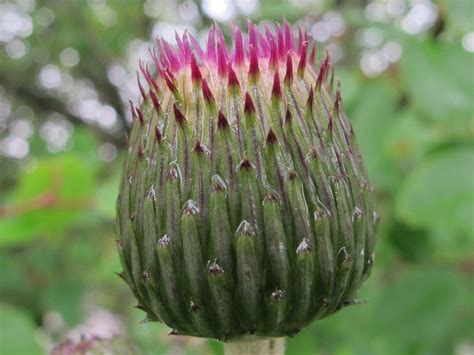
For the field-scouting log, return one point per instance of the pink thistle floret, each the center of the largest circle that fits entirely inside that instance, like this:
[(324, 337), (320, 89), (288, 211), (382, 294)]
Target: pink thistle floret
[(253, 57)]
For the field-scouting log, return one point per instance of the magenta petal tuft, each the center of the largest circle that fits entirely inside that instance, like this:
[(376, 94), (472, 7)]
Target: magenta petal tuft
[(281, 44), (253, 67), (206, 91), (178, 115), (221, 59), (289, 38), (249, 107), (140, 87), (289, 69), (233, 80), (302, 63), (195, 72), (239, 54), (211, 45), (276, 88)]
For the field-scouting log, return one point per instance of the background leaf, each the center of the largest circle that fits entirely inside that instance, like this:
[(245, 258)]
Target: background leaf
[(18, 334), (440, 194), (47, 200), (438, 78)]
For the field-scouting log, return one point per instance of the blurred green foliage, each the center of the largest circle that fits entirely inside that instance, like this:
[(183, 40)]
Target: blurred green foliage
[(414, 121)]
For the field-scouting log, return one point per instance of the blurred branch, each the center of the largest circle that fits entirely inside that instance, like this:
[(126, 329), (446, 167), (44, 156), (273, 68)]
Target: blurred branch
[(340, 3), (47, 103), (95, 65), (47, 199), (42, 202)]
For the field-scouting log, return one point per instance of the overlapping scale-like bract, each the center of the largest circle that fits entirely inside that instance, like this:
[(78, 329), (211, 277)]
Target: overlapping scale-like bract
[(244, 206)]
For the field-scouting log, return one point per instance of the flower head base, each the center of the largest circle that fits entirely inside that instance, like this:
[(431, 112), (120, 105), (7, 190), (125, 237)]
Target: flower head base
[(244, 206)]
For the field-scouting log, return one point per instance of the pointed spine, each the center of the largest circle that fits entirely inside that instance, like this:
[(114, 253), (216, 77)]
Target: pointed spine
[(169, 285), (276, 242), (221, 59), (295, 142), (142, 90), (325, 262), (276, 87), (184, 149), (172, 197), (226, 162), (302, 63), (239, 54), (233, 82), (305, 276), (196, 76), (249, 278), (251, 135), (289, 70), (254, 71), (199, 188), (194, 267), (220, 237), (250, 200)]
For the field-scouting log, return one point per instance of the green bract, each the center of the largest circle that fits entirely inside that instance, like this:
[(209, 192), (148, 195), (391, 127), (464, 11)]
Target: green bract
[(244, 206)]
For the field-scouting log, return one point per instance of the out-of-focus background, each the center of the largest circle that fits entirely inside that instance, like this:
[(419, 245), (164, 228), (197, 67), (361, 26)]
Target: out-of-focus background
[(67, 70)]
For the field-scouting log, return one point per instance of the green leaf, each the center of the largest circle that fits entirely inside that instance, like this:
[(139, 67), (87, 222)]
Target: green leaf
[(17, 333), (410, 311), (64, 295), (372, 110), (459, 14), (351, 82), (47, 199), (440, 193), (106, 197), (434, 293), (152, 338), (437, 77), (409, 141)]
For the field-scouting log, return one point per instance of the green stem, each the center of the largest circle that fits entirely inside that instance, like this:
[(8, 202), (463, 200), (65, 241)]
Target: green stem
[(265, 346)]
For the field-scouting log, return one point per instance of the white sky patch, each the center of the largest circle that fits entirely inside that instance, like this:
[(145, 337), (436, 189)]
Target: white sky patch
[(26, 5), (21, 128), (49, 77), (45, 17), (420, 17), (167, 32), (106, 117), (117, 74), (373, 63), (189, 12), (321, 31), (88, 110), (219, 10), (15, 49), (107, 152), (468, 42), (14, 147), (336, 23), (336, 52), (69, 57), (371, 37), (247, 7), (392, 51), (14, 23), (56, 133)]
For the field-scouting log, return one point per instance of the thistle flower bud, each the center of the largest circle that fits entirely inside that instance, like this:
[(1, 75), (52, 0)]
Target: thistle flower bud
[(244, 206)]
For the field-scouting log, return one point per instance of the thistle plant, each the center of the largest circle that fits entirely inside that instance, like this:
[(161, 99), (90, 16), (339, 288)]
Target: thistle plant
[(244, 210)]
